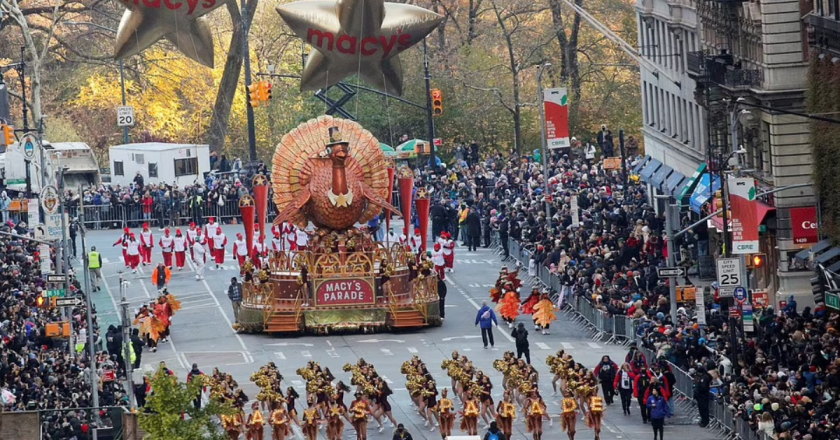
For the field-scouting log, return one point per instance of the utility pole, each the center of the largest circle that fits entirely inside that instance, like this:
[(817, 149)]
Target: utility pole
[(94, 386), (623, 160), (429, 117), (63, 248), (122, 84), (22, 72), (544, 142), (126, 329), (246, 60)]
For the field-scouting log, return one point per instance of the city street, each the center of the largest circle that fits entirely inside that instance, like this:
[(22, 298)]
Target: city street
[(202, 334)]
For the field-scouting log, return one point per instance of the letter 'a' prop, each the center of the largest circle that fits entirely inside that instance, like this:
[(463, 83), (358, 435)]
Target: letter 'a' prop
[(421, 202), (246, 208), (260, 185), (363, 37), (406, 182), (181, 22)]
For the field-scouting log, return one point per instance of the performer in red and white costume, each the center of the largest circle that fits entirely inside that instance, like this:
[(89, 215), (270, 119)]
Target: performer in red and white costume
[(133, 251), (166, 243), (415, 242), (219, 243), (448, 248), (259, 252), (301, 239), (192, 233), (180, 245), (199, 256), (438, 261), (123, 241), (210, 230), (240, 250), (277, 243), (147, 243), (290, 236)]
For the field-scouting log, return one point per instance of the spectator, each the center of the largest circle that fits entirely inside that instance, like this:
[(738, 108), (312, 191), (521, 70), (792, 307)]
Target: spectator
[(487, 318)]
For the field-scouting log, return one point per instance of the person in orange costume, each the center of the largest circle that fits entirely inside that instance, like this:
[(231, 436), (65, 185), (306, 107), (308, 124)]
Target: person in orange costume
[(161, 276), (508, 308), (163, 312)]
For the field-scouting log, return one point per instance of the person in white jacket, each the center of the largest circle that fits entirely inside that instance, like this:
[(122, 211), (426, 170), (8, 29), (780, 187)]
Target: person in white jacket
[(199, 256)]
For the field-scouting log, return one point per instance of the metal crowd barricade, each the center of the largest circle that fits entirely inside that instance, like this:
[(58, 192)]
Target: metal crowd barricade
[(513, 248), (623, 329), (103, 216)]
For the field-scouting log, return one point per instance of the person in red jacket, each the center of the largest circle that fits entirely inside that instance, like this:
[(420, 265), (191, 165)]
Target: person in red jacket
[(640, 387), (123, 241), (623, 382)]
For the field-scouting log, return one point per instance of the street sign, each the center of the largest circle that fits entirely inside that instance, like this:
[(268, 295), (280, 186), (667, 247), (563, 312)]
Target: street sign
[(832, 300), (728, 275), (16, 182), (49, 199), (46, 262), (55, 293), (56, 278), (68, 302), (29, 141), (51, 229), (438, 142), (740, 294), (665, 272), (748, 318), (125, 116)]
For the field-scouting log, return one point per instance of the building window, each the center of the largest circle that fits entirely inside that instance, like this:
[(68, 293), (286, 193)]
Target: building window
[(186, 167), (118, 169), (139, 158), (152, 169)]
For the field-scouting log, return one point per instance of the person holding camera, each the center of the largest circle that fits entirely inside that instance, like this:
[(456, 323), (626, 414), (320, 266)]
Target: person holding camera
[(401, 433)]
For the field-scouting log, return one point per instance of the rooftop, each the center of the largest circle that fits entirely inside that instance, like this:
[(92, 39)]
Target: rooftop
[(155, 146)]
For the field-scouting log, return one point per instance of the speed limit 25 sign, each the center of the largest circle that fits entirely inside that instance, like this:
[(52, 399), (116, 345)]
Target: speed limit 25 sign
[(125, 116), (728, 275)]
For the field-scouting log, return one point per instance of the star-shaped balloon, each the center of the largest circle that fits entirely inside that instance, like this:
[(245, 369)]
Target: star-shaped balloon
[(179, 21), (361, 37)]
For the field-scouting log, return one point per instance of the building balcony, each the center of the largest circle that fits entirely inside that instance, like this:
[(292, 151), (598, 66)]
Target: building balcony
[(696, 63)]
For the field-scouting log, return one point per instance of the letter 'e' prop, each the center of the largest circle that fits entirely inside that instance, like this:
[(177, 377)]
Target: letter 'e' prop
[(179, 21), (361, 37)]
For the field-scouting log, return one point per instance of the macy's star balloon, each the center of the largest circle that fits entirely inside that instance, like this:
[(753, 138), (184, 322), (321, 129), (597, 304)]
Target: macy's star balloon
[(360, 37), (179, 21)]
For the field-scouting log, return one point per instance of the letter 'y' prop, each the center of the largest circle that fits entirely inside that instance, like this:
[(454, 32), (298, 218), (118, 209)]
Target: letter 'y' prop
[(179, 21), (361, 37)]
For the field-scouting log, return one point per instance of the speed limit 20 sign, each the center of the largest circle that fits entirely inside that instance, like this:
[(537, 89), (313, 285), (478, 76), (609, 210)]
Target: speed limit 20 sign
[(728, 275), (125, 116)]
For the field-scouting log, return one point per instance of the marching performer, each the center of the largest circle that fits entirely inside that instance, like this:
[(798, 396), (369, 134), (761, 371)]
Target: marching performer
[(596, 413), (415, 242), (535, 410), (147, 242), (165, 309), (199, 257), (232, 424), (439, 260), (568, 419), (506, 414), (219, 243), (508, 307), (290, 236), (301, 239), (449, 252), (161, 276), (259, 252), (544, 313), (529, 304), (277, 244), (240, 251), (469, 417), (255, 423), (192, 234), (123, 241), (334, 415), (311, 420), (166, 243), (179, 245), (133, 251), (279, 421), (210, 230), (359, 409), (446, 414)]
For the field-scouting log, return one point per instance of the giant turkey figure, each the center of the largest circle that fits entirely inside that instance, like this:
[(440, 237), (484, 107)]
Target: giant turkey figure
[(331, 172)]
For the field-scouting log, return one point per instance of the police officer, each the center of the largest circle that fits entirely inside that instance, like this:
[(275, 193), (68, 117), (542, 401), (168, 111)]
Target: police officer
[(95, 268)]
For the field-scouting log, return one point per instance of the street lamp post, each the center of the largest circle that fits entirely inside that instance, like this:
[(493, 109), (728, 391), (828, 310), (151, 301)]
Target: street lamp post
[(544, 142)]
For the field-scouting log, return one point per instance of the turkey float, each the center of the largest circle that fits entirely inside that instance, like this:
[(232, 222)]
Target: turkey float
[(331, 172)]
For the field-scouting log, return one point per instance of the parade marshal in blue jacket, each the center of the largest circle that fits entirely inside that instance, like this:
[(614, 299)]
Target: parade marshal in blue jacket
[(486, 317)]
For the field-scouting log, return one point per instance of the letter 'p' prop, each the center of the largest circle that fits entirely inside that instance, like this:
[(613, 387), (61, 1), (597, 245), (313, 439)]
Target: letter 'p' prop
[(357, 36)]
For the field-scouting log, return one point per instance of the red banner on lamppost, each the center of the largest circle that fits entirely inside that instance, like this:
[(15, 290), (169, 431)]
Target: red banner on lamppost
[(744, 215)]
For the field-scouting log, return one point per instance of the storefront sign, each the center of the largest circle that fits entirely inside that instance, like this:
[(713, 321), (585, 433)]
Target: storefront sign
[(344, 292), (760, 299), (803, 222), (556, 102), (744, 216)]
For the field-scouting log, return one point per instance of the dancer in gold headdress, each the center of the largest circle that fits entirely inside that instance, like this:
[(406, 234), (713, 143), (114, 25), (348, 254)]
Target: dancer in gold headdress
[(446, 414), (359, 410), (535, 411), (568, 419), (335, 422), (311, 419), (255, 423), (279, 421), (596, 413), (232, 424), (469, 416), (506, 413)]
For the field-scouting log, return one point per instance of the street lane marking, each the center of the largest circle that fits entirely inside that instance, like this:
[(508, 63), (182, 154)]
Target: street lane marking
[(297, 383), (386, 352), (567, 346), (306, 354), (280, 355), (477, 307), (461, 337), (412, 350), (224, 315), (543, 346), (331, 351), (593, 345), (388, 381)]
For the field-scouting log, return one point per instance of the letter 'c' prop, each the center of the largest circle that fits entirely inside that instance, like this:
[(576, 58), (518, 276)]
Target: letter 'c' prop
[(361, 37), (179, 21)]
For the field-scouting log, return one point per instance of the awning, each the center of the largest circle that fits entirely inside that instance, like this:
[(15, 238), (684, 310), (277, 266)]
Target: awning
[(818, 247), (640, 164), (761, 210), (702, 192), (674, 181), (649, 169), (827, 255), (660, 176), (687, 189), (834, 267)]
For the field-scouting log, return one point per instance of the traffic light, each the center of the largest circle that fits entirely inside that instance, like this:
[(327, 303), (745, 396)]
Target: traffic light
[(8, 135), (818, 288), (43, 302), (254, 94), (437, 103), (719, 203), (266, 91), (757, 260)]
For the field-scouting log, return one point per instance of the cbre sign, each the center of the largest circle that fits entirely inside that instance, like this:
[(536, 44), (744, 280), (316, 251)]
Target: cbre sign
[(803, 222)]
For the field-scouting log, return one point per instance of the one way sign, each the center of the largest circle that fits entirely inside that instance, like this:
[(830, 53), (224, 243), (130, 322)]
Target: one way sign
[(68, 302), (665, 272)]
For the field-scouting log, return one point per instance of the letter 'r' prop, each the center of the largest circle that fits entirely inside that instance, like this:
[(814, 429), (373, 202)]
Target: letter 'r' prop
[(179, 21), (361, 37)]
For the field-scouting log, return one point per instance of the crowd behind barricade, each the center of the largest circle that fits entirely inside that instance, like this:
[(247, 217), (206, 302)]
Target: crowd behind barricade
[(781, 380), (38, 372)]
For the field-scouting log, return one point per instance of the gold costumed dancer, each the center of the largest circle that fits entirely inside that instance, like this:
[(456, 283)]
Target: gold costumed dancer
[(232, 424), (359, 411), (535, 411), (255, 423), (485, 388), (311, 419), (544, 313), (446, 414), (280, 423), (559, 365), (596, 413), (506, 414), (469, 416), (335, 416), (568, 419), (453, 370), (369, 383)]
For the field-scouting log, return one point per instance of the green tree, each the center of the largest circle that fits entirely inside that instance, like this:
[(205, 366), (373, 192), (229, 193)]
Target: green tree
[(170, 399)]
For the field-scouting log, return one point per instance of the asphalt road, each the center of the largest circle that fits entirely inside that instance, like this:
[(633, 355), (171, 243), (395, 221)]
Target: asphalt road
[(202, 334)]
